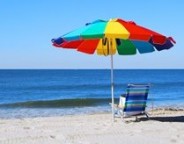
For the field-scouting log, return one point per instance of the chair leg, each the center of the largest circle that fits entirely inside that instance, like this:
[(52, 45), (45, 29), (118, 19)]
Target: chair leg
[(122, 116), (136, 119), (147, 115)]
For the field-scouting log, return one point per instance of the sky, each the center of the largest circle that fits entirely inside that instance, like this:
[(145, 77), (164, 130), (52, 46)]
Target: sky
[(27, 27)]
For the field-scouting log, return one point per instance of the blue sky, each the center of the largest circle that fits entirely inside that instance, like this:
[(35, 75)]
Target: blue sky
[(27, 26)]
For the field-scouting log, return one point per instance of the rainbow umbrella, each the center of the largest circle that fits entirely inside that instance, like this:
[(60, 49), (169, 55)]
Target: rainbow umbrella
[(111, 37)]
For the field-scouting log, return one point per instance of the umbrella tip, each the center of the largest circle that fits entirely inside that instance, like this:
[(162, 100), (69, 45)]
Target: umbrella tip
[(171, 39), (132, 22), (57, 41), (52, 40), (87, 24)]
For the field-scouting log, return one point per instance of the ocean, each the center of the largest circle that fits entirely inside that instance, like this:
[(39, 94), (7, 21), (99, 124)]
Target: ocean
[(40, 93)]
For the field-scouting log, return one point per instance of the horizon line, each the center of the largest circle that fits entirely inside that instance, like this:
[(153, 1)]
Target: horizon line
[(91, 69)]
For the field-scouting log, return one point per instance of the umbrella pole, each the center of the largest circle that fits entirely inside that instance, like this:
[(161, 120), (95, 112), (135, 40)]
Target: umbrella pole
[(112, 85)]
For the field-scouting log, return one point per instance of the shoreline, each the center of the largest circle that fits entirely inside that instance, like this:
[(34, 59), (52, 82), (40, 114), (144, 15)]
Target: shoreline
[(22, 113)]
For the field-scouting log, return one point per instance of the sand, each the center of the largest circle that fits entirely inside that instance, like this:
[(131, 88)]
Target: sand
[(163, 127)]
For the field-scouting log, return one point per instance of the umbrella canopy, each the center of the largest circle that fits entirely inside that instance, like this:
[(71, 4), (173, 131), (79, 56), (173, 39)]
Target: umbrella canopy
[(112, 36), (124, 37)]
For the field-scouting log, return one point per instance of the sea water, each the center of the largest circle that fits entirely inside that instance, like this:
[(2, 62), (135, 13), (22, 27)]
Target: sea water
[(33, 93)]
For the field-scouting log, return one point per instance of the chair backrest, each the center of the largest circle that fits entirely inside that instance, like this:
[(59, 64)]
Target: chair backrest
[(136, 98)]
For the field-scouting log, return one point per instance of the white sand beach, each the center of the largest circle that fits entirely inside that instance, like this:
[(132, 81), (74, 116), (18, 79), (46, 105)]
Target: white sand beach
[(164, 127)]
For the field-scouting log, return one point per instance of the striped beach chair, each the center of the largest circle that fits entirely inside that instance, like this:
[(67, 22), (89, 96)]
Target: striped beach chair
[(135, 100)]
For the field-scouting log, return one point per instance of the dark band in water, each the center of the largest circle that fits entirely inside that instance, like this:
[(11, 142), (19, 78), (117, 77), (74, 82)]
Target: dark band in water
[(61, 103)]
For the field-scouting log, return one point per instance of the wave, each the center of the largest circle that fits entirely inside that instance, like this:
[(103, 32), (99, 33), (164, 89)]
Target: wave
[(61, 103)]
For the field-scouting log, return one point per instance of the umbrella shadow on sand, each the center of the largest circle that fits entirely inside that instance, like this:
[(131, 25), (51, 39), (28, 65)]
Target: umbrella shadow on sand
[(165, 119)]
